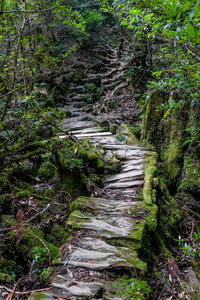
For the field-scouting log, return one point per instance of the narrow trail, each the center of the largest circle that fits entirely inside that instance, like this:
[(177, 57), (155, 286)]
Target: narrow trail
[(108, 229)]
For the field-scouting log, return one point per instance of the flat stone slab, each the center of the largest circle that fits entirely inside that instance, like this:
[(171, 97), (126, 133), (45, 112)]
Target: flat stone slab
[(112, 206), (88, 130), (122, 185), (93, 135), (125, 176), (106, 225), (95, 260), (98, 244), (127, 153), (74, 288)]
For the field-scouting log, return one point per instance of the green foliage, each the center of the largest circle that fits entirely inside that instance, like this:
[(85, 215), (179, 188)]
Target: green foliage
[(190, 248)]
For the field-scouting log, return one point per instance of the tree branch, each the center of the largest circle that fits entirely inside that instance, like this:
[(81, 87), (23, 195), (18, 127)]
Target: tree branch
[(28, 11)]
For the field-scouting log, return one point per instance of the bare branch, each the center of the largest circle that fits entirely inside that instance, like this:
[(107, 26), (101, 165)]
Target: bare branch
[(29, 11)]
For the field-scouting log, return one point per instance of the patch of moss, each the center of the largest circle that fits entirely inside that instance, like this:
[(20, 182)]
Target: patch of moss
[(130, 288), (39, 296), (46, 273), (74, 219), (130, 137), (8, 220), (58, 235), (150, 169), (50, 192), (172, 158), (45, 171)]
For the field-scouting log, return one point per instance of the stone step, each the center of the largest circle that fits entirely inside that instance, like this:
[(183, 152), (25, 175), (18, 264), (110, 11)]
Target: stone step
[(122, 185), (105, 225), (88, 130), (122, 147), (130, 153), (76, 288), (78, 97), (77, 125), (126, 176), (93, 135), (95, 260), (77, 88), (133, 167), (110, 206), (112, 85)]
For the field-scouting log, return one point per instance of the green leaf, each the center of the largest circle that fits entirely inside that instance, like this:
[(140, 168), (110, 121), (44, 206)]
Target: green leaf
[(190, 30)]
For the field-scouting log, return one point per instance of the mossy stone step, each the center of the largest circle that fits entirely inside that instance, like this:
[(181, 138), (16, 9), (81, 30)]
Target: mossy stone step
[(105, 225), (122, 185), (126, 176)]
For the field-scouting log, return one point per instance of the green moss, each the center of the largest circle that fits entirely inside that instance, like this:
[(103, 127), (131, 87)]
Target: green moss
[(6, 200), (138, 232), (4, 184), (39, 296), (130, 288), (130, 137), (6, 278), (162, 246), (74, 219), (58, 235), (21, 194), (150, 169), (171, 159), (45, 171), (49, 193), (8, 268), (44, 276), (151, 220), (8, 220), (190, 175)]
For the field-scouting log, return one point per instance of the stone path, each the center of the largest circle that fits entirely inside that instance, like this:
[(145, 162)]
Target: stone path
[(108, 230)]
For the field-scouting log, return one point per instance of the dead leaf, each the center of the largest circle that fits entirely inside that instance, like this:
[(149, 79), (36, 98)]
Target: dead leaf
[(8, 296)]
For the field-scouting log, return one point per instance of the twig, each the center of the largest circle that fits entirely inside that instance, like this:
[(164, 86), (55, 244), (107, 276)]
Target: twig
[(24, 293), (2, 96), (14, 289), (31, 11), (39, 213), (69, 134)]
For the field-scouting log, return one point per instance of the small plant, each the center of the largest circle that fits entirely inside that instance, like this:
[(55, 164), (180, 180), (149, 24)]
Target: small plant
[(190, 248)]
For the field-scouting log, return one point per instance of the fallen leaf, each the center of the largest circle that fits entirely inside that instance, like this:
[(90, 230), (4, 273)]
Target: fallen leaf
[(8, 296)]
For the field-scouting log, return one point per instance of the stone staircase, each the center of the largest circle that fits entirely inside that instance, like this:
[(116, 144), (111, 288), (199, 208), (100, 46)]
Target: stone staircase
[(108, 230), (105, 76)]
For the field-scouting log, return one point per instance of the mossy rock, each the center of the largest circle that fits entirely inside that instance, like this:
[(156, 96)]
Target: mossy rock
[(45, 171)]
